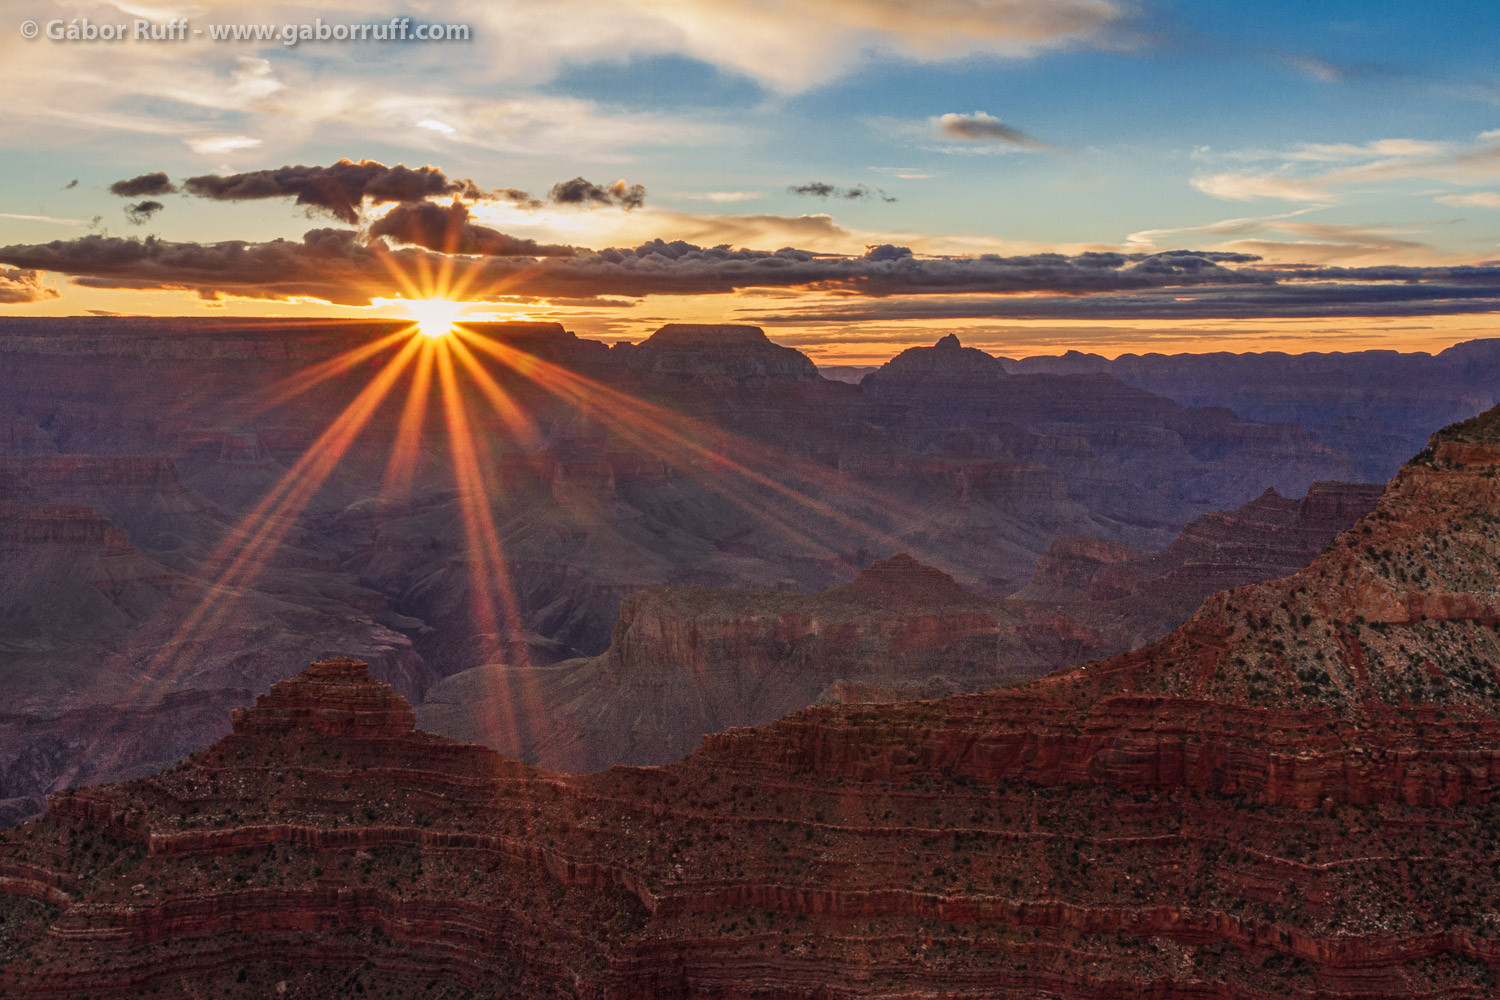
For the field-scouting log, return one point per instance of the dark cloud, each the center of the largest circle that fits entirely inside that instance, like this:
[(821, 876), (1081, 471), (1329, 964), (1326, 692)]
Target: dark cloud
[(140, 187), (330, 264), (339, 189), (887, 251), (142, 211), (446, 228), (579, 191), (1281, 300), (891, 282), (520, 199), (821, 189), (19, 285), (980, 127)]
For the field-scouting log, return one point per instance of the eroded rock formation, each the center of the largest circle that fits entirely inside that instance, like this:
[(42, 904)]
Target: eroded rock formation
[(689, 661), (685, 662), (1291, 795)]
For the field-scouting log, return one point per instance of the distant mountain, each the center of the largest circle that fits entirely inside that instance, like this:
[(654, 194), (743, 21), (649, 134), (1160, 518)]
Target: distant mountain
[(1377, 406), (846, 373), (1291, 795)]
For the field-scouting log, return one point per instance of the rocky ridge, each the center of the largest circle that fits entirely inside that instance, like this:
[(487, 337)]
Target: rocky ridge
[(1291, 795), (688, 661), (685, 662)]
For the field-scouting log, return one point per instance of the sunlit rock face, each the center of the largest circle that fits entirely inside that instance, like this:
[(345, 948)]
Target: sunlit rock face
[(1290, 795)]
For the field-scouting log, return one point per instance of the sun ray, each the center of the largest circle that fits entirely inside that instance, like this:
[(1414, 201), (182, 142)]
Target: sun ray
[(488, 571), (243, 552), (401, 467), (296, 384), (505, 407), (678, 439), (783, 493)]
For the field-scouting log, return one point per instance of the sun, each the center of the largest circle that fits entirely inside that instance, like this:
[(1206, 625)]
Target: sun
[(434, 317)]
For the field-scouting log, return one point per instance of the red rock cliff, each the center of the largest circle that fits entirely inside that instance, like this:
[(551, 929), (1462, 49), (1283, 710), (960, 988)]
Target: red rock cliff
[(1291, 795)]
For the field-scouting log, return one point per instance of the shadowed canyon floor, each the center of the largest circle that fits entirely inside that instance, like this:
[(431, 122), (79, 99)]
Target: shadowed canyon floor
[(1293, 794)]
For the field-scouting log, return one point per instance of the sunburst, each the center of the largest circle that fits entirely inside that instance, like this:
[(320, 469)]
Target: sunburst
[(435, 357)]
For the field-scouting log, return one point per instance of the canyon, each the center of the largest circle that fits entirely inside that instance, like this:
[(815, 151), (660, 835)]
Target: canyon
[(1291, 794), (685, 662), (141, 458), (1377, 406)]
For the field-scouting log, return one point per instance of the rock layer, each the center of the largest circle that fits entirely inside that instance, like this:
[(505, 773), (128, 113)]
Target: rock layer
[(685, 662), (1291, 795), (688, 661)]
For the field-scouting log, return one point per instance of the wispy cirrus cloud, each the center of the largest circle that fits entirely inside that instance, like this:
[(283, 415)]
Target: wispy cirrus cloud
[(1292, 238), (1303, 173), (1478, 199), (724, 197)]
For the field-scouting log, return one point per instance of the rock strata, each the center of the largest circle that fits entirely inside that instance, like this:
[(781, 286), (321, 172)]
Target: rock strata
[(1293, 795)]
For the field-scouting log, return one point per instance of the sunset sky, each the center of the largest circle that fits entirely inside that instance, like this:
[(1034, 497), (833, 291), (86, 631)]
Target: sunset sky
[(873, 173)]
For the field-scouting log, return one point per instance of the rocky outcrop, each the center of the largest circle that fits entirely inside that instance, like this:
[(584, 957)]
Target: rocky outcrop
[(685, 662), (1291, 795), (334, 697), (688, 661), (716, 355), (947, 376), (1269, 537), (1094, 428)]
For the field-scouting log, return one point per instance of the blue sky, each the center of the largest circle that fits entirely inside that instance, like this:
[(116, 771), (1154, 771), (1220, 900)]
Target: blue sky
[(1330, 134)]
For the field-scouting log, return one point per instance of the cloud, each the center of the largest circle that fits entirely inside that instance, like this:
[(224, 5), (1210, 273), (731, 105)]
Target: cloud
[(820, 189), (1479, 199), (145, 184), (1356, 296), (335, 265), (142, 211), (725, 197), (53, 220), (1249, 186), (339, 189), (328, 264), (1303, 174), (18, 285), (1147, 239), (982, 127), (790, 46), (582, 192), (218, 145), (1311, 242), (446, 228), (886, 282)]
